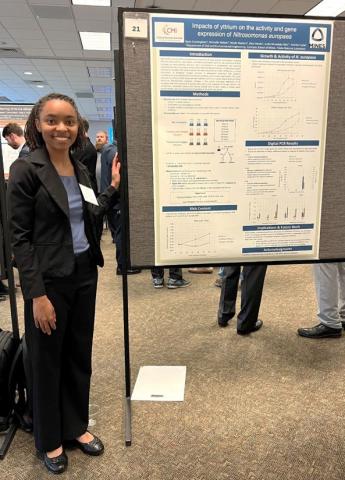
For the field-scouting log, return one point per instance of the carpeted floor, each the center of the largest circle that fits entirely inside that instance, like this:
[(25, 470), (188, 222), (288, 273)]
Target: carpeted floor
[(263, 407)]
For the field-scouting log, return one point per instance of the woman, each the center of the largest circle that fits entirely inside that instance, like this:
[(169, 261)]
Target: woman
[(54, 238)]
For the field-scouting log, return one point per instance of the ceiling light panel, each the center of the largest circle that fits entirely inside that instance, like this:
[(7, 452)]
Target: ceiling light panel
[(93, 3), (95, 40), (328, 8), (103, 100), (102, 88), (100, 72), (84, 95)]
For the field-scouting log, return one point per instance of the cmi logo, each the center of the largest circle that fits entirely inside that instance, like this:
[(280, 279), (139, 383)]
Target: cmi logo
[(169, 32), (318, 37)]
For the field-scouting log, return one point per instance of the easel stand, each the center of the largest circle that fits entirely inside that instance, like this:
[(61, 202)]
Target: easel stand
[(119, 133)]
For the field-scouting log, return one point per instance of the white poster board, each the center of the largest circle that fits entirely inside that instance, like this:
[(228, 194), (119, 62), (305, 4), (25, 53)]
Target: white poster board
[(160, 384), (239, 115)]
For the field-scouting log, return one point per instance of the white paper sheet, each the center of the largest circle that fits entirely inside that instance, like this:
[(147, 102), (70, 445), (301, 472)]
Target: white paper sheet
[(88, 194), (160, 384)]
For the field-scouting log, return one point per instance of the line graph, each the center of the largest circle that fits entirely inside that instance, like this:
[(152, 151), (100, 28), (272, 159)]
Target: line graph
[(277, 123), (197, 241), (276, 88), (284, 125), (186, 239)]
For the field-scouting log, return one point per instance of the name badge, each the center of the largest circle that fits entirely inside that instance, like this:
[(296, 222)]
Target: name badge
[(88, 194)]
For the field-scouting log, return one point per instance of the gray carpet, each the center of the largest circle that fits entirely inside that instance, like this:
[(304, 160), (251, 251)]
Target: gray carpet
[(262, 407)]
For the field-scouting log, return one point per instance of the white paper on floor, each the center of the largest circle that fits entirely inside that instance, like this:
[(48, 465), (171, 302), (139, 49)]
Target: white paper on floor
[(160, 384)]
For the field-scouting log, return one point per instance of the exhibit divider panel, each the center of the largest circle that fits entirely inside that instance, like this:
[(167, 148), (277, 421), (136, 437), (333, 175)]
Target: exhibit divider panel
[(233, 137)]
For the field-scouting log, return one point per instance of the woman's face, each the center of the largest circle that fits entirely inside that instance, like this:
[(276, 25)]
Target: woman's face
[(58, 124)]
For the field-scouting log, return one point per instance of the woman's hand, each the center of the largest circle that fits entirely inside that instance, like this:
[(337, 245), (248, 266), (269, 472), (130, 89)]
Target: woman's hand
[(44, 314), (115, 172)]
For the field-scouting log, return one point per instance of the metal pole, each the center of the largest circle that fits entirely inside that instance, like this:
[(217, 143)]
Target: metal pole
[(121, 139)]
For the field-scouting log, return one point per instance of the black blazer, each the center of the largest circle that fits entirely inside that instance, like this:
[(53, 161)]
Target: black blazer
[(39, 221), (88, 157)]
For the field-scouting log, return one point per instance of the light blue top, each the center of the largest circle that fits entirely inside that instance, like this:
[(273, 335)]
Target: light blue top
[(80, 243)]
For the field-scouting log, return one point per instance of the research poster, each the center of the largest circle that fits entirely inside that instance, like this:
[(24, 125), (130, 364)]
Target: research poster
[(17, 113), (239, 115)]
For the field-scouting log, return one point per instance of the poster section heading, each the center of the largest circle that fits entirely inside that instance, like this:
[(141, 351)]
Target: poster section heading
[(233, 33)]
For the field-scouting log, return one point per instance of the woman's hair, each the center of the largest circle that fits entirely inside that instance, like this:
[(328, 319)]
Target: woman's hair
[(34, 138)]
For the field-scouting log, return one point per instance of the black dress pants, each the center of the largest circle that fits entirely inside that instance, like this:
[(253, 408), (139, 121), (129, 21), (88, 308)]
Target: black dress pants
[(114, 223), (61, 362), (174, 272), (251, 293)]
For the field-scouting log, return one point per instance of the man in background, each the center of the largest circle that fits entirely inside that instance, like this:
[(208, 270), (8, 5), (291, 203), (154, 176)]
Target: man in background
[(101, 141), (330, 292), (107, 152), (14, 136), (252, 286)]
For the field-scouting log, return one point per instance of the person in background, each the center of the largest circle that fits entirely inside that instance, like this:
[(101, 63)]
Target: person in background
[(3, 291), (200, 270), (14, 136), (108, 151), (88, 156), (175, 279), (101, 141), (252, 286), (57, 251), (330, 293), (219, 280)]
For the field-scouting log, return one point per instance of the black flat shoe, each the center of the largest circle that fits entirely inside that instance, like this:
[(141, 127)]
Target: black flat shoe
[(257, 325), (95, 447), (54, 465), (320, 331), (4, 290), (130, 271)]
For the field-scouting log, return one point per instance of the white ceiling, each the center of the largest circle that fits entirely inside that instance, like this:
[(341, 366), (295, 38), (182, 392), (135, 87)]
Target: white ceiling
[(45, 35)]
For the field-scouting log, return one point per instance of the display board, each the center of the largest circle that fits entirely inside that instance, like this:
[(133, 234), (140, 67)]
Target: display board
[(17, 113), (228, 139)]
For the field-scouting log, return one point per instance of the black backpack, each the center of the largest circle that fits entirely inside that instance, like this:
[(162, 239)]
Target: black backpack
[(14, 396)]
